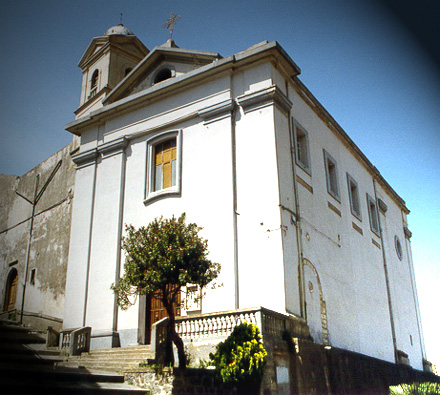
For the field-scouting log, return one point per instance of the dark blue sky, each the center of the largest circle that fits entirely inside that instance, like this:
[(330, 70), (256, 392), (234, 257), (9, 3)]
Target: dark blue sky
[(366, 61)]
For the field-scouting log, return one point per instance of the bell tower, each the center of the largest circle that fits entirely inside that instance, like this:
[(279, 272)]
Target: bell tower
[(107, 60)]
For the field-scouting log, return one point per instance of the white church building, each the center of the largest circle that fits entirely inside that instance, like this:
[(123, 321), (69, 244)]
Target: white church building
[(302, 223)]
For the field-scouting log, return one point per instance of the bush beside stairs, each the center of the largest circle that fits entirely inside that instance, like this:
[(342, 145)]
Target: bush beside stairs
[(27, 366)]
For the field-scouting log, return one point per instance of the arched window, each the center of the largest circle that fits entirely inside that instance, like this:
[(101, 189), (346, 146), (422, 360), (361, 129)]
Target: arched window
[(163, 75), (94, 83), (11, 290)]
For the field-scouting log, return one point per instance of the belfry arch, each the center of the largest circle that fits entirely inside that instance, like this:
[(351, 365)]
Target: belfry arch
[(316, 306)]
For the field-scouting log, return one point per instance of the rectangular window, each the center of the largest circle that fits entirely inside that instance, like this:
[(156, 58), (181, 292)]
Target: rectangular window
[(301, 147), (165, 156), (353, 193), (372, 213), (331, 173), (163, 165)]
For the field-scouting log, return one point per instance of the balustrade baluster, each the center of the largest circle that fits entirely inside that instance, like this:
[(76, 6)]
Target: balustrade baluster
[(200, 327), (192, 329), (215, 326), (227, 325), (205, 327), (210, 326)]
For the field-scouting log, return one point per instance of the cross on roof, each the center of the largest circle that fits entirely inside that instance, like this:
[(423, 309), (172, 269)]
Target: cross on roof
[(169, 24)]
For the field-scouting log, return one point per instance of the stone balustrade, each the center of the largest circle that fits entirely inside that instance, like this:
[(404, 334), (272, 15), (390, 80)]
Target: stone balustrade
[(221, 324), (76, 340)]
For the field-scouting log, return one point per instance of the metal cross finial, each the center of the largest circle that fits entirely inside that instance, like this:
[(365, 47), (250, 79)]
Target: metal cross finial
[(172, 20)]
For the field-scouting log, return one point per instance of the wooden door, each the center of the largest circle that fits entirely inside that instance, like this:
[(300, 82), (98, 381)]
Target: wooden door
[(156, 311), (11, 290)]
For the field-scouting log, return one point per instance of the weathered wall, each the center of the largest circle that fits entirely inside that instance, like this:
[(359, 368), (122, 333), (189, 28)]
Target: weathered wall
[(49, 246)]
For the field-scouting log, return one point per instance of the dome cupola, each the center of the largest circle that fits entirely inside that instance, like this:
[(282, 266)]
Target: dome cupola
[(119, 30)]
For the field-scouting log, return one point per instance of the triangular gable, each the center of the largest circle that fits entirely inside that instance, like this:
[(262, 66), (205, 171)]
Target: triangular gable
[(94, 47), (131, 45), (176, 58)]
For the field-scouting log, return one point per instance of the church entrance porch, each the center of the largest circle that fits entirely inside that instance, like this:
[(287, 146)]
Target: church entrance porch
[(152, 310)]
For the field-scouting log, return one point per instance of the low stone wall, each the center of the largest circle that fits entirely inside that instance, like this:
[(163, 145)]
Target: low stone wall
[(157, 381), (168, 381), (297, 366)]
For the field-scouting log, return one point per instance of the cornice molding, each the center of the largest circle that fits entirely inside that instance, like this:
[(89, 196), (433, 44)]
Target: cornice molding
[(114, 147), (217, 111), (263, 98), (86, 158)]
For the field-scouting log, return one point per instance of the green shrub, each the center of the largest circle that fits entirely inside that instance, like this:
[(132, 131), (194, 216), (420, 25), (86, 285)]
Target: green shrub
[(426, 388), (241, 358)]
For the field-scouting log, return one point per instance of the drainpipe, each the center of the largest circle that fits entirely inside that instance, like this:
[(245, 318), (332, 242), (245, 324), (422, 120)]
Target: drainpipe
[(234, 203), (387, 282)]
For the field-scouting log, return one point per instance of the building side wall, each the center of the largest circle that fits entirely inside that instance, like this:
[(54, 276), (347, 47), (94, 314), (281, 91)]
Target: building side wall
[(346, 255), (346, 269), (49, 245), (409, 337)]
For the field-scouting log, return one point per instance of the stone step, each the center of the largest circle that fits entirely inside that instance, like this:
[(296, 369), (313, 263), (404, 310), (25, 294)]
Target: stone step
[(8, 348), (110, 357), (20, 360), (117, 366), (26, 367), (22, 337), (56, 388), (43, 372), (130, 349), (51, 380)]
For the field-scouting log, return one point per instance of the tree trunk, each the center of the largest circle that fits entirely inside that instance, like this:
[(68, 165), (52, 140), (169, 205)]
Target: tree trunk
[(171, 331)]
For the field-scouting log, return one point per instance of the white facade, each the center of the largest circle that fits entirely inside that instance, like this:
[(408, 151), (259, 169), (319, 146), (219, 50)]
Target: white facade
[(283, 241)]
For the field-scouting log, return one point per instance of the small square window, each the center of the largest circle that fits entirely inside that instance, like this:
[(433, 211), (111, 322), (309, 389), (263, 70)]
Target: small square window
[(163, 165), (353, 193), (331, 173), (372, 213), (301, 147)]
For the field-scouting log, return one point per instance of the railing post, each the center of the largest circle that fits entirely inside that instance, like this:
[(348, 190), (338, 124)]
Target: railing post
[(76, 341), (73, 344), (259, 320), (159, 339), (52, 337)]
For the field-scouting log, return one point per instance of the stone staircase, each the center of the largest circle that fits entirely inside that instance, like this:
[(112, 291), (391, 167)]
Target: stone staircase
[(27, 366), (111, 359)]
